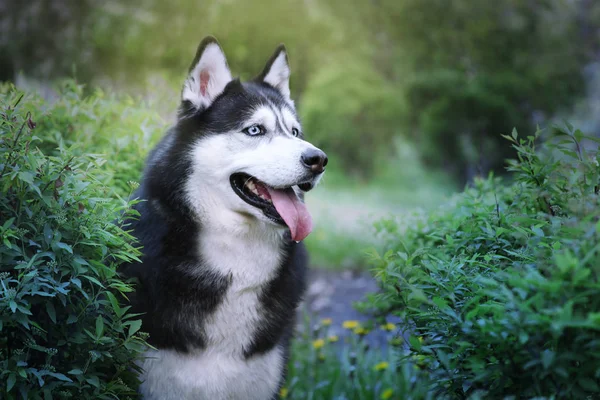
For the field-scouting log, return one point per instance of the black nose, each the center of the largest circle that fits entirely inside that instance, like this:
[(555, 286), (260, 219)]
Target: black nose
[(315, 160)]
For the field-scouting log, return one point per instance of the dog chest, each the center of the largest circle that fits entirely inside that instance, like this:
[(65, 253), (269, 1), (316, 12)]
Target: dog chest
[(250, 260), (210, 375)]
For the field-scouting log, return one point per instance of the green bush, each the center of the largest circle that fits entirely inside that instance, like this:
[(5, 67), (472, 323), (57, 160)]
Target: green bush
[(351, 113), (63, 332), (117, 130), (500, 292)]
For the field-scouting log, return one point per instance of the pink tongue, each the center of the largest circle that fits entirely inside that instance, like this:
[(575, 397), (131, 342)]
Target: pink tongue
[(293, 211)]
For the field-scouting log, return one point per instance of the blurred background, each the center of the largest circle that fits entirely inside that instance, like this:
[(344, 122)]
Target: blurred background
[(408, 97)]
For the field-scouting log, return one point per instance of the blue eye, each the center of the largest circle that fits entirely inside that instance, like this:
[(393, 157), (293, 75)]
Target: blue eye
[(295, 132), (255, 130)]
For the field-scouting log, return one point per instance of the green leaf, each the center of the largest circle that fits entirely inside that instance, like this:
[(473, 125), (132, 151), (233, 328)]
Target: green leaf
[(569, 126), (64, 246), (13, 306), (26, 176), (134, 326), (523, 337), (99, 326), (93, 280), (48, 234), (60, 376), (588, 384), (75, 371), (8, 223), (441, 303), (10, 382), (547, 358), (414, 343), (94, 381), (115, 303)]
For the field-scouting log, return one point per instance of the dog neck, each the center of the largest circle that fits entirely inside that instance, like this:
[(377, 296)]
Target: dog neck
[(240, 246)]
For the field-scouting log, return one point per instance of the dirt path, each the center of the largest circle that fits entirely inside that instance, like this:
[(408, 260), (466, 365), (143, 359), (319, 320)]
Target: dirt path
[(331, 294)]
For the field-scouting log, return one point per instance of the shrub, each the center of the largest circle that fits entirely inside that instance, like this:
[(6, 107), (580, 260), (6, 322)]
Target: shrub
[(117, 130), (351, 113), (63, 332), (500, 291)]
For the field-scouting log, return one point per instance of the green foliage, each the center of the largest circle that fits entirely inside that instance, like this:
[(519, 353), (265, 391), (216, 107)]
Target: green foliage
[(451, 75), (502, 286), (63, 331), (471, 72), (118, 131), (351, 113)]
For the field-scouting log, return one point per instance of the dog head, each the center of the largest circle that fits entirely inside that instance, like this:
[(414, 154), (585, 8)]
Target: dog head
[(245, 145)]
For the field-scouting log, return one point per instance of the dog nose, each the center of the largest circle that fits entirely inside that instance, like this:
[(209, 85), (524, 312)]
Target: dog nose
[(315, 160)]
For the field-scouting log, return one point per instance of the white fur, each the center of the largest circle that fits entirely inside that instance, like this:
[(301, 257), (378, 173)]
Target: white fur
[(279, 75), (212, 62), (210, 375), (289, 120), (274, 159), (263, 116), (251, 259)]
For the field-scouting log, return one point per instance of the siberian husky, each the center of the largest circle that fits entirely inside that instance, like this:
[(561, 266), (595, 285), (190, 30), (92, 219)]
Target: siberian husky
[(221, 224)]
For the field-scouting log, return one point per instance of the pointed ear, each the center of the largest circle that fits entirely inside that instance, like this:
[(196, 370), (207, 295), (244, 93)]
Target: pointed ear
[(277, 71), (208, 74)]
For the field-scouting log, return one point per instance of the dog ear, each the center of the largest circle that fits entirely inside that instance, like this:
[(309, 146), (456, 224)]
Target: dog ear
[(277, 71), (208, 74)]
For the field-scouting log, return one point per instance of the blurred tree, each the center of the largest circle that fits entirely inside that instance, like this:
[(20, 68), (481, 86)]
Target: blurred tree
[(453, 75), (351, 112), (44, 37), (471, 70)]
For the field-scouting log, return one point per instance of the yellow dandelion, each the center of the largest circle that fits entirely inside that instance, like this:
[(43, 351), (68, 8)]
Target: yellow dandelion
[(387, 394), (381, 366), (351, 324), (333, 338), (321, 357), (388, 327), (283, 392), (326, 321), (317, 344), (360, 331)]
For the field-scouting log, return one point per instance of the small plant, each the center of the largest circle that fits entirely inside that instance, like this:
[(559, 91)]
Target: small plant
[(500, 291), (63, 331)]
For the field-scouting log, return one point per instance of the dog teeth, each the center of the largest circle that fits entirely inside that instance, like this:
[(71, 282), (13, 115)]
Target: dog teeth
[(251, 186)]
